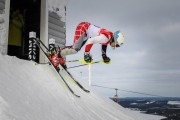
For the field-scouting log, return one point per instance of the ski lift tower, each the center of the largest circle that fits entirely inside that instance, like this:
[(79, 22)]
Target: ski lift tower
[(116, 98)]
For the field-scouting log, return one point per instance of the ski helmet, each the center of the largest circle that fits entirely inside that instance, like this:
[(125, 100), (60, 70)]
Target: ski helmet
[(119, 38)]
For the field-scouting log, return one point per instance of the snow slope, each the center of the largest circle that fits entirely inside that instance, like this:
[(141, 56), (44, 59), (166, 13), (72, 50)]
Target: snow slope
[(35, 92)]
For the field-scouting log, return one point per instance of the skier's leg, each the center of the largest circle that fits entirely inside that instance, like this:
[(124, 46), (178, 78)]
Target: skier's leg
[(68, 51), (80, 42), (80, 38), (75, 48)]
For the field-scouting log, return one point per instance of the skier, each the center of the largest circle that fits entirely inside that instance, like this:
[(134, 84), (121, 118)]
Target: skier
[(91, 34)]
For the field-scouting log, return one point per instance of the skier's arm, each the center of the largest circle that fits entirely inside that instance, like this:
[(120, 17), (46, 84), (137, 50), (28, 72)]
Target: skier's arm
[(104, 56), (104, 47)]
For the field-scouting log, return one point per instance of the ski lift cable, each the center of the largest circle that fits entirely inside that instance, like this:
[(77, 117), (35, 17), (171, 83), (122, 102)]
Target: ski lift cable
[(142, 93)]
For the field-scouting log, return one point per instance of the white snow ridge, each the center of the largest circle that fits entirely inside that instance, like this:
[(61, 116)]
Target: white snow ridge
[(35, 92)]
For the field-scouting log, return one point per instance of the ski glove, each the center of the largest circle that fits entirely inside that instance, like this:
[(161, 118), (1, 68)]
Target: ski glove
[(87, 57), (105, 58)]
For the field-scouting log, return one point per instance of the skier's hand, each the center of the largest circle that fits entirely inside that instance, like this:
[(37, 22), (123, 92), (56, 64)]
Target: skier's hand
[(87, 57), (105, 58)]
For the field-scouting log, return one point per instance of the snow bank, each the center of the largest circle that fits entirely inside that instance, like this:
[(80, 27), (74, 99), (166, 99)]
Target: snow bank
[(35, 92)]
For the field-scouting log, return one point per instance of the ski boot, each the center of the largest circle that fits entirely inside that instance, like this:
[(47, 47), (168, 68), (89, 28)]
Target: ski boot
[(87, 57), (105, 58)]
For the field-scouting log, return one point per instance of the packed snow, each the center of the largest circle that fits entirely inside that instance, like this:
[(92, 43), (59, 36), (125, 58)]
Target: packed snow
[(30, 91)]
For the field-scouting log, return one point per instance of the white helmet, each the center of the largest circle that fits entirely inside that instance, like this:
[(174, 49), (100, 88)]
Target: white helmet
[(119, 38)]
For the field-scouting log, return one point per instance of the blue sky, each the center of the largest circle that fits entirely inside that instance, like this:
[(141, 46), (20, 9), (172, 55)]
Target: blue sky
[(149, 61)]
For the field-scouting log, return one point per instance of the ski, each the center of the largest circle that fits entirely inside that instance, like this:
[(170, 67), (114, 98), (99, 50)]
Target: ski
[(84, 89), (82, 61), (38, 44), (85, 63), (76, 82)]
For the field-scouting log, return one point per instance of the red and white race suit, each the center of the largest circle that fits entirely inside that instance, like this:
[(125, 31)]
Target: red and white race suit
[(93, 34), (89, 34)]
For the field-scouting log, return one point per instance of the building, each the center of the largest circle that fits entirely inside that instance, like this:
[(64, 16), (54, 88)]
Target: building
[(17, 18)]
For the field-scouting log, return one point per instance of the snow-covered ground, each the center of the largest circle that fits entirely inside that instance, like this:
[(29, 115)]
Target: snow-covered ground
[(35, 92)]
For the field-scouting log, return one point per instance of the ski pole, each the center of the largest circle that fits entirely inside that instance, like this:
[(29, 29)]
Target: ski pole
[(72, 61), (82, 65)]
